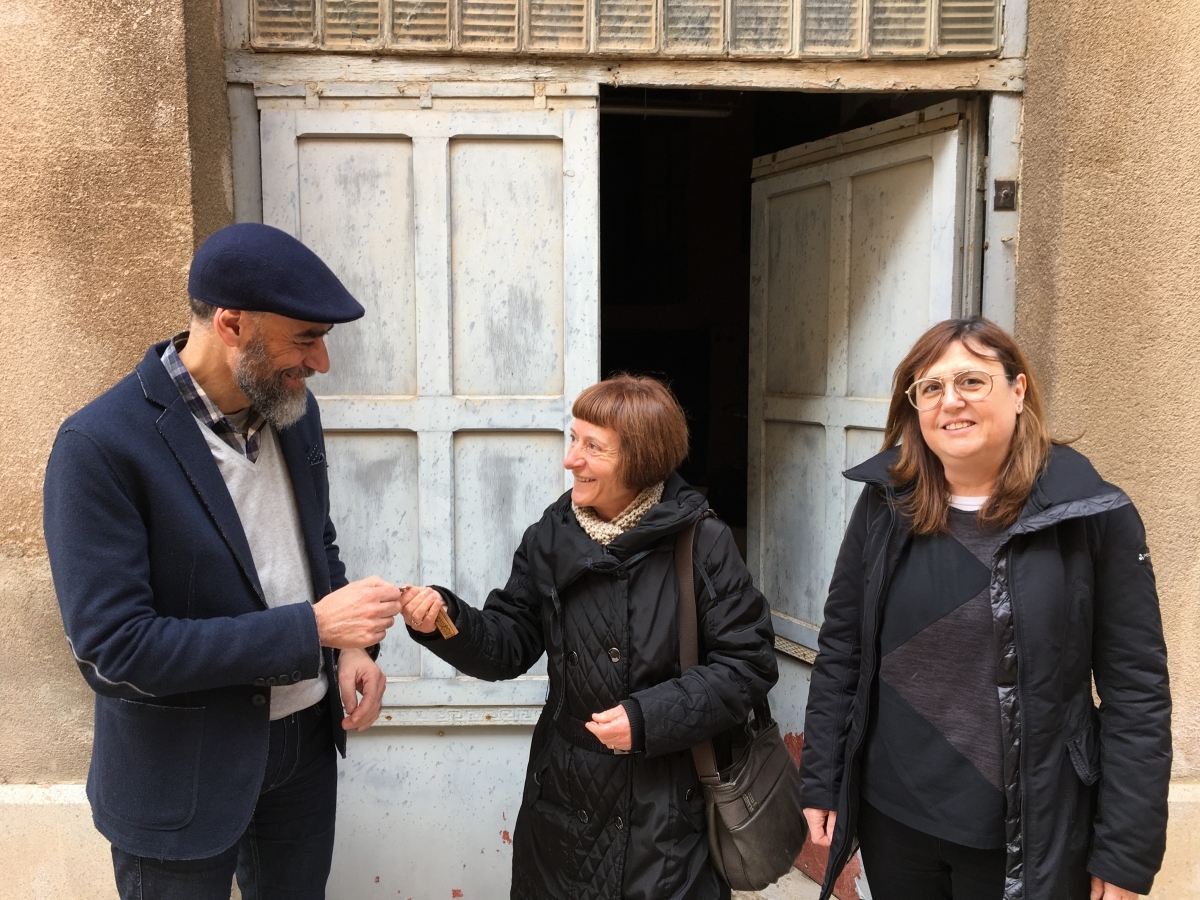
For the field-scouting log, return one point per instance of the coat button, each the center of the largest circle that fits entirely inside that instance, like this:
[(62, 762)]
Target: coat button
[(614, 654), (260, 682), (573, 658), (283, 679), (690, 795), (259, 700), (537, 778), (296, 676), (272, 681), (620, 823), (583, 816)]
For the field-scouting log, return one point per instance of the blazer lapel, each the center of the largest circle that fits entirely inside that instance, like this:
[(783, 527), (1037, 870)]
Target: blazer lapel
[(182, 434), (312, 514)]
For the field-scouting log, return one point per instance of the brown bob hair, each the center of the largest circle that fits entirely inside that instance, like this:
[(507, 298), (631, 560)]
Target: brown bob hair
[(646, 417), (929, 502)]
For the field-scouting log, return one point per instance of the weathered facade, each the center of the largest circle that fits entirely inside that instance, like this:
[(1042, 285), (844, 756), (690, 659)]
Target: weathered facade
[(131, 132)]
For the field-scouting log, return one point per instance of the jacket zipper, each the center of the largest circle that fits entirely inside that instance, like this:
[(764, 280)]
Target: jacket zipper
[(1021, 754)]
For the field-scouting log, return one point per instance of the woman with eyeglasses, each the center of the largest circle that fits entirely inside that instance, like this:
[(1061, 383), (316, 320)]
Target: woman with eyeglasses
[(988, 577)]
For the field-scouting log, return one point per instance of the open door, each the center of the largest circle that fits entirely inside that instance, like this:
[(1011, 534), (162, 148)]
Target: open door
[(464, 217), (857, 247)]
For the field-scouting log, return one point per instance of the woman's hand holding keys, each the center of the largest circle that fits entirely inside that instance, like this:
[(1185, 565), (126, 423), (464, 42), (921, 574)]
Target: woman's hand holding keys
[(420, 607)]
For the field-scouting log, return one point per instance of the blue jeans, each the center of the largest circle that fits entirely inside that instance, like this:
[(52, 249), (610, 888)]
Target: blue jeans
[(285, 852)]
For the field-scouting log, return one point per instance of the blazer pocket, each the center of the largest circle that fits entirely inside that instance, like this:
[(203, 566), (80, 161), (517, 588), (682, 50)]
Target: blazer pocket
[(146, 761), (1084, 750)]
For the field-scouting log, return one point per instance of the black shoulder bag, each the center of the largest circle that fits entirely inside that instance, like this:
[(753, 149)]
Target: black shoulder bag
[(755, 822)]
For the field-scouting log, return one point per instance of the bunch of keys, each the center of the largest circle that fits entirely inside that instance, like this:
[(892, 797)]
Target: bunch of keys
[(445, 626)]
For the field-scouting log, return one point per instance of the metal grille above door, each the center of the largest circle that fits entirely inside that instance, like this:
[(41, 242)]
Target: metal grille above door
[(707, 28)]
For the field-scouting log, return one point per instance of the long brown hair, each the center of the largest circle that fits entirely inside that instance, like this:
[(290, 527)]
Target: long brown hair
[(929, 502)]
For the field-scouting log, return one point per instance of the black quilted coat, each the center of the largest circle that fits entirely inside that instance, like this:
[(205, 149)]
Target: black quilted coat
[(1073, 597), (594, 824)]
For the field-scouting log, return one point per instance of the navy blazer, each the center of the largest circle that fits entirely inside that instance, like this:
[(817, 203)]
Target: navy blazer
[(166, 618)]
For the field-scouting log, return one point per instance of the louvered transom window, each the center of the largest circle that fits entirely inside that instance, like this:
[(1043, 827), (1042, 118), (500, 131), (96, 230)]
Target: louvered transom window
[(832, 26), (762, 26), (350, 23), (839, 29), (421, 24), (967, 24), (899, 25), (558, 24), (628, 25)]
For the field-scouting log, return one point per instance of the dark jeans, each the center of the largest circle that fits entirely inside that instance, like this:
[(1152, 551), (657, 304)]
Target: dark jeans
[(905, 864), (285, 852)]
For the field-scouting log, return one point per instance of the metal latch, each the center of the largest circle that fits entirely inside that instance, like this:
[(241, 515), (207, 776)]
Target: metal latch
[(1005, 196)]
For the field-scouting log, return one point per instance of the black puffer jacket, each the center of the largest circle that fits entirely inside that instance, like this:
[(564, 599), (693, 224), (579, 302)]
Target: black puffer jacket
[(1073, 597), (594, 824)]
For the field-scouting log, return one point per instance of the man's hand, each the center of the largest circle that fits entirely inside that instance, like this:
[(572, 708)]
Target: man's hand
[(1102, 890), (420, 608), (820, 825), (358, 674), (611, 728), (357, 615)]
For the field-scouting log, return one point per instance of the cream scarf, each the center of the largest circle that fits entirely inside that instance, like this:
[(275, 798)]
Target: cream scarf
[(604, 533)]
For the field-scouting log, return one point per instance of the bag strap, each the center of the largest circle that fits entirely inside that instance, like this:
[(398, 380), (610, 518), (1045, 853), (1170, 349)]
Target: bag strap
[(703, 755)]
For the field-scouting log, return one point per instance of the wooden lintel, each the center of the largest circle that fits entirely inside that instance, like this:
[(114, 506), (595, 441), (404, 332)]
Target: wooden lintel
[(999, 75)]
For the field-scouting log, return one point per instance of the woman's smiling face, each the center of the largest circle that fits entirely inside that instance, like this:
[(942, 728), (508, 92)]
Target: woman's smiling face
[(592, 458), (972, 434)]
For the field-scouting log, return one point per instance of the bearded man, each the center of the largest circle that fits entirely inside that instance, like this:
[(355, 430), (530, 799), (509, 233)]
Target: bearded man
[(187, 521)]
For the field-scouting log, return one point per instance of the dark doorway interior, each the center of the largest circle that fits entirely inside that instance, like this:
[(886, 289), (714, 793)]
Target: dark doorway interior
[(675, 247)]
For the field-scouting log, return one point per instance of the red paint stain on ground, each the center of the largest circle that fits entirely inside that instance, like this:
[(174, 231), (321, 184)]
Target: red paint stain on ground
[(794, 743), (456, 893), (811, 862), (377, 879), (506, 837)]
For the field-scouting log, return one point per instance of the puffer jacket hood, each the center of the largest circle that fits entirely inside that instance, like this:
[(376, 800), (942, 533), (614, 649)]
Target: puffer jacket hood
[(1072, 592), (595, 825)]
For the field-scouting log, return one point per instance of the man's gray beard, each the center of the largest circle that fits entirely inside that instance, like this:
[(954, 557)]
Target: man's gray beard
[(266, 387)]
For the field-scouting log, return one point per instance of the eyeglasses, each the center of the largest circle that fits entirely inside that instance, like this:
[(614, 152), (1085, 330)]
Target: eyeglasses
[(928, 393)]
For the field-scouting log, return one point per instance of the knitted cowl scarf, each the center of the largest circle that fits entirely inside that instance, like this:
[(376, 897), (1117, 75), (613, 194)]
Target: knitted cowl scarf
[(604, 533)]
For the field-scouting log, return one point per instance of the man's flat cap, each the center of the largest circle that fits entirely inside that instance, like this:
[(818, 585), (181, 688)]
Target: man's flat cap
[(262, 269)]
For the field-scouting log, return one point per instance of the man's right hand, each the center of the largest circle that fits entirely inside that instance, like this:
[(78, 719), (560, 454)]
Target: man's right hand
[(357, 615)]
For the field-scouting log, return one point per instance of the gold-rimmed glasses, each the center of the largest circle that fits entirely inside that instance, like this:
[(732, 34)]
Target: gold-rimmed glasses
[(973, 384)]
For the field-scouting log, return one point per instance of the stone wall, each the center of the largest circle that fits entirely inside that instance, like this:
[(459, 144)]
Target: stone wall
[(1108, 282), (1108, 300), (106, 105)]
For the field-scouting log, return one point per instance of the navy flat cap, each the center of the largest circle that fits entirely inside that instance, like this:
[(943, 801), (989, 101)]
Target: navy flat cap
[(262, 269)]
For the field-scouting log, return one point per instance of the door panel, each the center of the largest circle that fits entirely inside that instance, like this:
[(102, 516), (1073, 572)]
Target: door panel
[(506, 210), (468, 229), (369, 243), (853, 257)]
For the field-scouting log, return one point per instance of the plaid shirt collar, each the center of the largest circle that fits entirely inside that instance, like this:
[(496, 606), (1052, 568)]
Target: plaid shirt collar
[(245, 441)]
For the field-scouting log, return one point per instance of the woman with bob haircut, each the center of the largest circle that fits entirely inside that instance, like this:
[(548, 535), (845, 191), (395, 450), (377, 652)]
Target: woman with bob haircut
[(612, 806), (987, 576)]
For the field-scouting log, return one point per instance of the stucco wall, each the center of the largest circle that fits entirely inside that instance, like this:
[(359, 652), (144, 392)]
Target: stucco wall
[(100, 209), (1108, 295)]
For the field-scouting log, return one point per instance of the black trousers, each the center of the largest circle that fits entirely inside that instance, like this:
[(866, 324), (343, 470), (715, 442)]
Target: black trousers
[(287, 850), (902, 863)]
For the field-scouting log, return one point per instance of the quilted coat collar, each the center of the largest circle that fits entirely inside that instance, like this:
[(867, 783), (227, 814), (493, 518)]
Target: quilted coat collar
[(562, 550)]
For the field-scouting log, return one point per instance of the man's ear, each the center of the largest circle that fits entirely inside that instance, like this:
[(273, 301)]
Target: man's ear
[(232, 327)]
